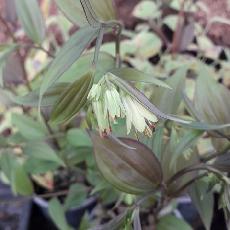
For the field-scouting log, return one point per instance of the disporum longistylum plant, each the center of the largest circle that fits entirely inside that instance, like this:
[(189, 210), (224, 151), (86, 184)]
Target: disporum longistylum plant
[(147, 131)]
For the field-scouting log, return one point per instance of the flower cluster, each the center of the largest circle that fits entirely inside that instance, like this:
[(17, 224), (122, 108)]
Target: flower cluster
[(109, 104)]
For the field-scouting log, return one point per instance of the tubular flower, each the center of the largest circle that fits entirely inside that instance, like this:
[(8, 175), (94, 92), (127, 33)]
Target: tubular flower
[(108, 105), (138, 116)]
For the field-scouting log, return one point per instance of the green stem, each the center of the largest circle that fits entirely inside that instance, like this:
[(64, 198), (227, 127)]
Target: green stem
[(215, 155), (195, 168), (177, 192)]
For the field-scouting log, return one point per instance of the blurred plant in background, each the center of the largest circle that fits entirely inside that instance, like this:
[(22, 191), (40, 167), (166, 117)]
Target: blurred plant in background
[(135, 119)]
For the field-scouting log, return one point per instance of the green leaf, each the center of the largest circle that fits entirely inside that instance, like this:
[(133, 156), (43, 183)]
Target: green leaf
[(85, 222), (203, 200), (38, 166), (78, 138), (190, 107), (104, 9), (71, 100), (76, 196), (168, 101), (68, 54), (171, 222), (72, 10), (79, 155), (29, 128), (146, 10), (20, 181), (157, 143), (31, 19), (132, 170), (49, 98), (147, 44), (84, 63), (211, 99), (188, 139), (42, 151), (131, 74), (57, 214), (15, 173), (100, 187), (7, 162)]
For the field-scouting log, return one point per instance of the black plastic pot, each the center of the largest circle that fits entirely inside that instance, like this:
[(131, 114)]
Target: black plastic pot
[(14, 210), (73, 216), (188, 212)]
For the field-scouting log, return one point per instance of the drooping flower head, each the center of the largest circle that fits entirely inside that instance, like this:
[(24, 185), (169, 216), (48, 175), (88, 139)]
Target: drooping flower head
[(110, 102)]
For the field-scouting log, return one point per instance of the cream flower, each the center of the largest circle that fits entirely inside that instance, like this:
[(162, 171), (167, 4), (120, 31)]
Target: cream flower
[(112, 103), (108, 105), (103, 123), (138, 116)]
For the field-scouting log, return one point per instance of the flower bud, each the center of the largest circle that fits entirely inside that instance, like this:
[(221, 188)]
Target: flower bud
[(127, 164)]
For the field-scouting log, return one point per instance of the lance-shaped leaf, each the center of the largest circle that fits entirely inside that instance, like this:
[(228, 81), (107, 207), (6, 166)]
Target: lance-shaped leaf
[(200, 125), (15, 173), (31, 19), (171, 222), (42, 151), (182, 161), (21, 183), (57, 214), (168, 101), (72, 100), (188, 139), (84, 63), (131, 74), (211, 99), (71, 51), (133, 169), (94, 10), (104, 9), (28, 128), (49, 98), (72, 10), (203, 200)]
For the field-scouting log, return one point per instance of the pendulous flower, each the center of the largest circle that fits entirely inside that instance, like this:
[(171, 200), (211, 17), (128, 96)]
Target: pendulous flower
[(138, 116), (109, 103)]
